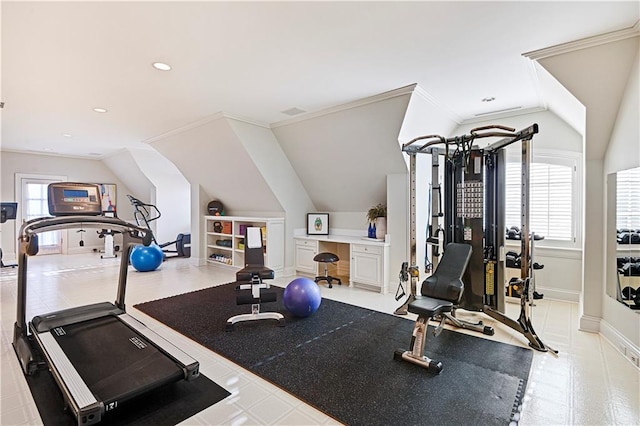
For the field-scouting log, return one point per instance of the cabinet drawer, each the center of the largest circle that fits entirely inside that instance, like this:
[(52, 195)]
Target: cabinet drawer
[(361, 248), (307, 243)]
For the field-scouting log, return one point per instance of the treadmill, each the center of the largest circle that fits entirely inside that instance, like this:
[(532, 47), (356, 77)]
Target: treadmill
[(99, 356)]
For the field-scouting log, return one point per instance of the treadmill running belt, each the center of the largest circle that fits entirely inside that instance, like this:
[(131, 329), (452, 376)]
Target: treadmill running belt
[(115, 362)]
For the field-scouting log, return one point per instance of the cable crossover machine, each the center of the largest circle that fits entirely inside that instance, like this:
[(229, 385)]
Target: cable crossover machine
[(474, 213)]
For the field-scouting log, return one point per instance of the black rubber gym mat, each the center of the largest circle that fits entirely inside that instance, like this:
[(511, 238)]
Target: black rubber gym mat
[(340, 360), (167, 405)]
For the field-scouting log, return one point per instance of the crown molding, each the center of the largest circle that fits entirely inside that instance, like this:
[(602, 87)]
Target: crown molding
[(202, 122), (52, 154), (430, 99), (350, 105), (584, 43)]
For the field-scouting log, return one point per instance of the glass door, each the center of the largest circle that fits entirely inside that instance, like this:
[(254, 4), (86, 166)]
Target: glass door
[(35, 205)]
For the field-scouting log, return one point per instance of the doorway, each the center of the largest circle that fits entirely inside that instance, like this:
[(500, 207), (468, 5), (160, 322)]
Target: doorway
[(31, 190)]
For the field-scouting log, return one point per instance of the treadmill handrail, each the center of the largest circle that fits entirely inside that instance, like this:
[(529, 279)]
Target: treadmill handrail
[(132, 235), (45, 224)]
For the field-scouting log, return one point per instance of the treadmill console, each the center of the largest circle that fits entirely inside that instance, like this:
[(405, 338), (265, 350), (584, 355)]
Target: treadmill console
[(72, 198)]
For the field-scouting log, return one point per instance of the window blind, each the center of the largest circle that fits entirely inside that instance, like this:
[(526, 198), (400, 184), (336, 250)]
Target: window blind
[(628, 199), (550, 199)]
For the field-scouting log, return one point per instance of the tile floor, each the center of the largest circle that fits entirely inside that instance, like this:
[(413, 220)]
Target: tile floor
[(590, 383)]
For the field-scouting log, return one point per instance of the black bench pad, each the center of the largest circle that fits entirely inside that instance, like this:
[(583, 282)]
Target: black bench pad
[(429, 306)]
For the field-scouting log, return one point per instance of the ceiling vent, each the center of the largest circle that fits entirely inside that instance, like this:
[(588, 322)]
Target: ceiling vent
[(293, 111), (497, 111)]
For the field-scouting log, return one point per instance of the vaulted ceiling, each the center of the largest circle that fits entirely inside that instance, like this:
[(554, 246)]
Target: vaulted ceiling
[(257, 59)]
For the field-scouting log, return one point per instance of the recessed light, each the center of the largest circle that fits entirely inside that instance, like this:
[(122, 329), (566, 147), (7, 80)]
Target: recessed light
[(100, 110), (66, 135), (46, 149), (488, 99), (162, 66)]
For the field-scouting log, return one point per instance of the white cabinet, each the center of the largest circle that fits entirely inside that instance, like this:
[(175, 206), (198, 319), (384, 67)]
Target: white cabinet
[(369, 267), (305, 252), (224, 239), (366, 264)]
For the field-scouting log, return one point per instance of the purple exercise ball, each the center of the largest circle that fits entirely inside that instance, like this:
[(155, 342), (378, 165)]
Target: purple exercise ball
[(302, 297)]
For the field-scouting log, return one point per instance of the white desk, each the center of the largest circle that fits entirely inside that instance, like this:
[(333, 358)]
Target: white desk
[(363, 260)]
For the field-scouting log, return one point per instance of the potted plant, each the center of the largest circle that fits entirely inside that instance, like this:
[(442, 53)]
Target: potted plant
[(378, 216)]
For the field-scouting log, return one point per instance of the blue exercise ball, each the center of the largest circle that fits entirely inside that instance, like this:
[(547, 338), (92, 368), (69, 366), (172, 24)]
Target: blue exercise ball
[(302, 297), (146, 258)]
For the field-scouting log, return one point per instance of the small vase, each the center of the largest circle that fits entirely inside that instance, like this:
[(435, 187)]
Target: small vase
[(381, 227)]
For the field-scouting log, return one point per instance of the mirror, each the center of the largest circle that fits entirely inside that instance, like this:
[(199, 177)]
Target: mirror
[(623, 237)]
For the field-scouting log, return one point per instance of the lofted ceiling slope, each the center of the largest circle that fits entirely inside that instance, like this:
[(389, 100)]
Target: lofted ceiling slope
[(257, 59), (211, 155), (609, 65), (343, 158)]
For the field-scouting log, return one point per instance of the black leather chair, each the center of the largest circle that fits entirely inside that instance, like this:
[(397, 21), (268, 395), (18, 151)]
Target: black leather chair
[(440, 294), (251, 278)]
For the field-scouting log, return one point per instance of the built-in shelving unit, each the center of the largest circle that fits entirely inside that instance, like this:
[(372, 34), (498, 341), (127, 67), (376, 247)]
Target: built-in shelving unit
[(224, 238)]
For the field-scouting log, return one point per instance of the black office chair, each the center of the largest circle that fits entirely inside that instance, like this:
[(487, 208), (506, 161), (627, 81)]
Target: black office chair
[(251, 278), (441, 293)]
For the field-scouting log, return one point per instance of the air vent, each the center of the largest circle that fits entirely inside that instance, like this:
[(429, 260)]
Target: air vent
[(498, 111), (293, 111), (95, 154)]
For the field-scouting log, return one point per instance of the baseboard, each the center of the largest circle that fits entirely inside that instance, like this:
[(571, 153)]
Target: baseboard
[(589, 323), (9, 258), (289, 271), (85, 249), (198, 261), (623, 345), (562, 295)]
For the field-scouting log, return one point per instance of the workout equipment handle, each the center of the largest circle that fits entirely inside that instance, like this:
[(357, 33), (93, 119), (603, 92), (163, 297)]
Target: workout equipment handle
[(131, 235), (36, 226)]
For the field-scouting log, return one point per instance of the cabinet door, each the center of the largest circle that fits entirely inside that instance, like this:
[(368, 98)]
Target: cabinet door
[(366, 266), (304, 258)]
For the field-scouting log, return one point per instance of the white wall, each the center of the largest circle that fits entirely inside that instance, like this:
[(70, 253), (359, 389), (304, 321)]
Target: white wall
[(597, 76), (172, 195), (423, 117), (79, 170), (623, 152), (343, 155), (268, 157)]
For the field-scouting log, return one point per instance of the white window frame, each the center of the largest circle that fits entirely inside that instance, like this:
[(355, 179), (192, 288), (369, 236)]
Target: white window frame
[(18, 180), (564, 158)]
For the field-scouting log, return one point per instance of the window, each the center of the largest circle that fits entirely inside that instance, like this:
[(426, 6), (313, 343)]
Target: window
[(628, 199), (31, 191), (553, 197)]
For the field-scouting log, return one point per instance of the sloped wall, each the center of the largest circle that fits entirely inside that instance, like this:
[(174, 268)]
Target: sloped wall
[(172, 195), (123, 165), (269, 159), (217, 165), (209, 154), (343, 157)]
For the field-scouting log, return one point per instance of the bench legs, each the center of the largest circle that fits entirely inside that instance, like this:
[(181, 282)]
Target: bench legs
[(416, 353)]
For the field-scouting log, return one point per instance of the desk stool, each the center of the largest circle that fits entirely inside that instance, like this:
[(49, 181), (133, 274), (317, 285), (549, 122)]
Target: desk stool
[(326, 257)]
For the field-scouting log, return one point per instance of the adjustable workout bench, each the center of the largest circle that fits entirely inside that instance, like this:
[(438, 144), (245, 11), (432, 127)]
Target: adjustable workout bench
[(251, 278), (441, 293)]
